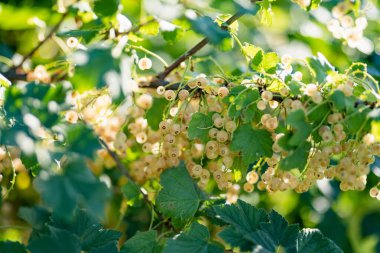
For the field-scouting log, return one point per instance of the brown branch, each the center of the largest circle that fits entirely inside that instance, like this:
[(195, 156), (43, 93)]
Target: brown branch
[(51, 33), (121, 167), (161, 76)]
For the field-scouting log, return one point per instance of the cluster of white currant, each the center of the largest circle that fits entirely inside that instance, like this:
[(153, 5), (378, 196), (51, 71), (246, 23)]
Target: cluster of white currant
[(39, 74), (344, 26)]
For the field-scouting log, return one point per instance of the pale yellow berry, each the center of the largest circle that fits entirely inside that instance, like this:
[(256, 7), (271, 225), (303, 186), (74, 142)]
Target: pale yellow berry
[(3, 154), (72, 42), (160, 90), (297, 76), (223, 92), (71, 117), (248, 187), (286, 59), (145, 101), (267, 95), (284, 92), (183, 95), (201, 82), (222, 136), (374, 192), (169, 95), (230, 126), (141, 137), (213, 132), (145, 63), (252, 177), (262, 105)]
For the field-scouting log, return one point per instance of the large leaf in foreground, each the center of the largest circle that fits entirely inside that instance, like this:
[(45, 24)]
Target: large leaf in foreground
[(179, 198)]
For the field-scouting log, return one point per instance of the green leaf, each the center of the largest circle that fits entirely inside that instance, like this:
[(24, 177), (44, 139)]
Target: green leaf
[(274, 233), (105, 8), (91, 234), (173, 36), (320, 66), (340, 101), (12, 247), (228, 6), (301, 129), (35, 216), (244, 217), (355, 122), (196, 239), (131, 191), (154, 115), (199, 126), (150, 29), (81, 139), (180, 197), (266, 63), (141, 242), (76, 186), (207, 27), (60, 240), (253, 143), (235, 239), (312, 240), (241, 103), (297, 158)]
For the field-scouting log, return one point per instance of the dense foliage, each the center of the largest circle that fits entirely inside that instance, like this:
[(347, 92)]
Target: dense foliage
[(105, 147)]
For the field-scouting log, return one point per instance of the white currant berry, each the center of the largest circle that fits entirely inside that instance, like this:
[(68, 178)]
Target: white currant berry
[(169, 95), (183, 95), (71, 117), (145, 63), (223, 92), (72, 42), (160, 90), (267, 95), (145, 101), (261, 105)]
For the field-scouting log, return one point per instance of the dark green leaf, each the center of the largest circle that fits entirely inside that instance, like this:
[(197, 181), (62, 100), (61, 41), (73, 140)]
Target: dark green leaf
[(60, 241), (106, 8), (141, 242), (81, 139), (199, 126), (235, 239), (301, 129), (312, 240), (244, 217), (196, 239), (275, 233), (297, 158), (180, 197), (253, 143), (155, 113), (207, 27), (12, 247), (76, 186)]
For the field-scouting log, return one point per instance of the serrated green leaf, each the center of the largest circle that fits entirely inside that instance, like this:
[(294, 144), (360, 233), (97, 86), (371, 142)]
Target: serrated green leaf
[(312, 240), (244, 217), (297, 158), (131, 191), (257, 59), (340, 101), (154, 115), (76, 186), (105, 8), (199, 126), (207, 27), (253, 143), (35, 216), (274, 233), (12, 247), (235, 239), (180, 197), (60, 240), (141, 242), (300, 128), (196, 239)]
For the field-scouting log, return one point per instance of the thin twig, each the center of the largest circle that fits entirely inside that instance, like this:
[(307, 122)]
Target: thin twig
[(53, 30), (161, 76)]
